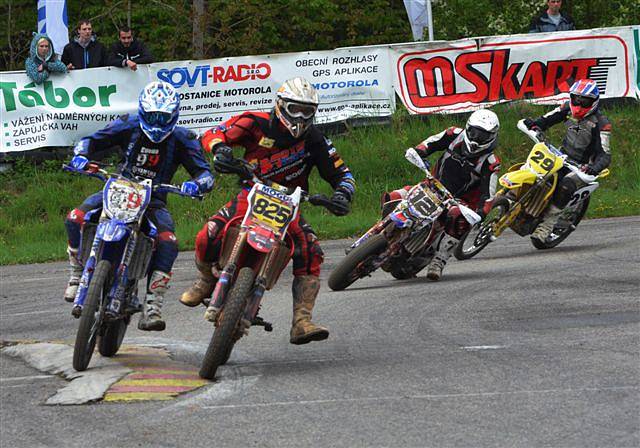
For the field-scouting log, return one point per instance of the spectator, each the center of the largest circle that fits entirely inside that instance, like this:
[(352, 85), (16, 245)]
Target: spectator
[(42, 59), (552, 19), (85, 51), (129, 51)]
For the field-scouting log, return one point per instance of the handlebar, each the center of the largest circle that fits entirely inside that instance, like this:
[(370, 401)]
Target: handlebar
[(94, 170)]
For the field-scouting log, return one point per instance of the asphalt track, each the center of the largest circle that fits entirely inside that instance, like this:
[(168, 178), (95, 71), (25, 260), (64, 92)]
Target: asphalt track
[(516, 347)]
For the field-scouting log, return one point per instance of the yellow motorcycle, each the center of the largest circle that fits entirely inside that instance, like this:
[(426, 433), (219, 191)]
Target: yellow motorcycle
[(527, 189)]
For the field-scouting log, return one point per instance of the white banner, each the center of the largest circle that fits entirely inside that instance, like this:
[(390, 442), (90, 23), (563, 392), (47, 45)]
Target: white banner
[(350, 83), (429, 77), (473, 73)]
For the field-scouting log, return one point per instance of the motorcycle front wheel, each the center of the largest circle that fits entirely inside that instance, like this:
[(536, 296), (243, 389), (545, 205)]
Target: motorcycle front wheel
[(224, 335), (109, 343), (560, 234), (357, 263), (479, 235), (91, 317)]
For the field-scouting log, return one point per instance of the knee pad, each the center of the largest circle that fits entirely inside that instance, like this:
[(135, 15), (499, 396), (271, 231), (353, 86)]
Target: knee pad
[(73, 224), (564, 192)]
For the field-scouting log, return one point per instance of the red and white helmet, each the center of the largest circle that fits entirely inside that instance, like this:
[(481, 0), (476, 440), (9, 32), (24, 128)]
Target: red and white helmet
[(296, 105), (585, 97)]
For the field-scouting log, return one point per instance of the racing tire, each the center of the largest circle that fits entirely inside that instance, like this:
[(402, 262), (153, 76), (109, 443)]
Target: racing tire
[(223, 338), (109, 343), (91, 317), (557, 238), (479, 235), (345, 273)]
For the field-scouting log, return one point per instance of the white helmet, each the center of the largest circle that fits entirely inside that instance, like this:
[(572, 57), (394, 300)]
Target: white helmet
[(296, 105), (481, 131)]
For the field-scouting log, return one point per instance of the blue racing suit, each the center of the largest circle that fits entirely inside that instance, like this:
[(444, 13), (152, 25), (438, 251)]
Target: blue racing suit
[(145, 159)]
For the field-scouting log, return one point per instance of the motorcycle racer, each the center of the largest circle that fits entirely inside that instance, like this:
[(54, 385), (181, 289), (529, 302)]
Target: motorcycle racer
[(154, 147), (586, 142), (468, 168), (284, 146)]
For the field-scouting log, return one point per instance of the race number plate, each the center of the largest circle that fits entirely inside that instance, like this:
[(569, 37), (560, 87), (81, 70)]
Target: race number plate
[(423, 202), (271, 209)]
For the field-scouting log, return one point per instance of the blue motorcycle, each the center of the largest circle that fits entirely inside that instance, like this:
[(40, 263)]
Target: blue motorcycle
[(115, 252)]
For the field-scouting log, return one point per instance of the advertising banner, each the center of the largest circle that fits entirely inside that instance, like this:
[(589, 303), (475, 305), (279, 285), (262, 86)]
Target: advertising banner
[(350, 83), (474, 73)]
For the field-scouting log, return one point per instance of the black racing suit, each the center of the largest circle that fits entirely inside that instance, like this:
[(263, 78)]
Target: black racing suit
[(586, 143)]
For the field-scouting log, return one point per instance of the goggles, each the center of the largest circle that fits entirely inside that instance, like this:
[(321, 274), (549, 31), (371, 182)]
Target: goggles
[(479, 135), (157, 118), (300, 110), (582, 101)]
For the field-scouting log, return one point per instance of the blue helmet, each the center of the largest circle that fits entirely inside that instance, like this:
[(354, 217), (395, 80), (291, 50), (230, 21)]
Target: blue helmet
[(158, 110)]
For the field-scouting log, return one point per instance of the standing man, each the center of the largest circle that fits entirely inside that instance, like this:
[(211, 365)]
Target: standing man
[(552, 19), (285, 147), (128, 51), (85, 51)]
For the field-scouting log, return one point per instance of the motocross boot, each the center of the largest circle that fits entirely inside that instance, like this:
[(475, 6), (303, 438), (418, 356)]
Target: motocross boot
[(445, 249), (151, 319), (544, 229), (203, 286), (305, 290), (74, 275)]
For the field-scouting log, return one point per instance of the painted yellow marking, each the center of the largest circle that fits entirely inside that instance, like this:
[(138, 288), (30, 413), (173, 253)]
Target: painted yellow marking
[(162, 382), (138, 396)]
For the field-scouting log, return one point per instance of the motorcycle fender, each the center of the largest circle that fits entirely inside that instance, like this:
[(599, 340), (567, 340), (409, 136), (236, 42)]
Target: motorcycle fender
[(112, 231), (471, 216), (261, 239), (517, 179)]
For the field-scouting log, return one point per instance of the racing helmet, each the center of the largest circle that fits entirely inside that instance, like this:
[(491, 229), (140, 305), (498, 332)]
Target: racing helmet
[(158, 110), (481, 132), (296, 105), (585, 96)]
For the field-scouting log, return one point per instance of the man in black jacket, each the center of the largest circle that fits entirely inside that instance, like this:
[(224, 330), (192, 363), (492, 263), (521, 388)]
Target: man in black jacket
[(85, 51), (129, 51), (552, 19)]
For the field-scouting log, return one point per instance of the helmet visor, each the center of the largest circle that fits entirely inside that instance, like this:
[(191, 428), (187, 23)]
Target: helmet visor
[(582, 101), (479, 135), (157, 118), (299, 110)]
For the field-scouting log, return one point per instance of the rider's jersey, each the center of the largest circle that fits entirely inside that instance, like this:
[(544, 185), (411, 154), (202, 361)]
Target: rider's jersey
[(586, 140), (279, 156), (146, 159), (459, 173)]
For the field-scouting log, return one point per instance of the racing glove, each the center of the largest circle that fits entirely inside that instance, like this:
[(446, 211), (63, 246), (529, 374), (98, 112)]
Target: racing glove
[(79, 162), (588, 169), (340, 203), (530, 124), (190, 187), (223, 156)]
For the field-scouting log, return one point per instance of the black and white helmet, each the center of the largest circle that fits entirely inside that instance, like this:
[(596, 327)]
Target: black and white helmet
[(481, 131), (296, 105)]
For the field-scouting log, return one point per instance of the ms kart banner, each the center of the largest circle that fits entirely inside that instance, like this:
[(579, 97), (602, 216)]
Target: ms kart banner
[(350, 83), (470, 74)]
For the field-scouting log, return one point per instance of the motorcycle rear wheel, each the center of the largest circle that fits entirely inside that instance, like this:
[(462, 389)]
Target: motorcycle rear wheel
[(346, 272), (91, 317), (223, 338), (557, 238), (479, 235)]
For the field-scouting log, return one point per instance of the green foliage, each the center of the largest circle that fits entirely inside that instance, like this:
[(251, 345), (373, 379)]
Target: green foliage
[(245, 27), (35, 199)]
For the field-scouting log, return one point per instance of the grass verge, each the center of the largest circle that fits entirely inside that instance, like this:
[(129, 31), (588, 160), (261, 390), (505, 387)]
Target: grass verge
[(35, 199)]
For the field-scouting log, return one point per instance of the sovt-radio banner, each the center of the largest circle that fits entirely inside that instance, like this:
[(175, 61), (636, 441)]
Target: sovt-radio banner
[(469, 74), (350, 83)]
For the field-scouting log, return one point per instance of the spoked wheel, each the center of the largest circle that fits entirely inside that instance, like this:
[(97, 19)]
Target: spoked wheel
[(563, 230), (91, 317), (224, 336), (358, 263), (480, 234)]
